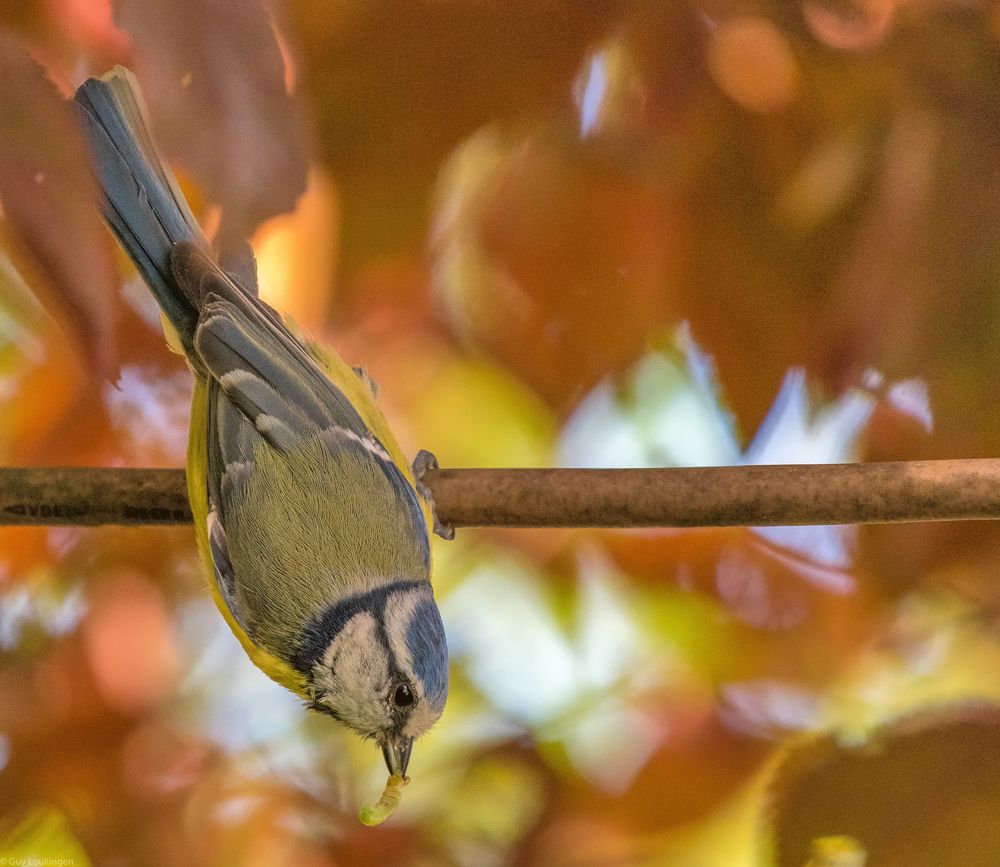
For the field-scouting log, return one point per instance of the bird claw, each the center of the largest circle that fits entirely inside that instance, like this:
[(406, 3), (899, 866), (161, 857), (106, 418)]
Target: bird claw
[(423, 462)]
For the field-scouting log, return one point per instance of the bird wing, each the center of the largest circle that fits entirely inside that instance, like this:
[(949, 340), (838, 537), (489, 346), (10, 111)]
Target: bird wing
[(282, 436)]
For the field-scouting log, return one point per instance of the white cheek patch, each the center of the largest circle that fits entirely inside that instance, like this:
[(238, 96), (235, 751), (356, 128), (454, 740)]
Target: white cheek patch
[(400, 608), (353, 675), (422, 718)]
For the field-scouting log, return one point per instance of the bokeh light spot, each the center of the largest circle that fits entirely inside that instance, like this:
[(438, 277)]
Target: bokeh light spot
[(130, 643), (753, 64)]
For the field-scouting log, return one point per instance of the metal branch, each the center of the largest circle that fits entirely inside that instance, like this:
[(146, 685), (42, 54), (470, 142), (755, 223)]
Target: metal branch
[(689, 497)]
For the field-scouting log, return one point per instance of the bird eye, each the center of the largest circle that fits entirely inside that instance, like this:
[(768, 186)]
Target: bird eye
[(403, 696)]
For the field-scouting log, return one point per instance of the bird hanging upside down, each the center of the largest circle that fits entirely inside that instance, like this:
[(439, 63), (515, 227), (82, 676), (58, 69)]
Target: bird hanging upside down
[(309, 521)]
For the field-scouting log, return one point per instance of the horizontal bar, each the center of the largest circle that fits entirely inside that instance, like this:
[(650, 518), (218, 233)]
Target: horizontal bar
[(771, 495)]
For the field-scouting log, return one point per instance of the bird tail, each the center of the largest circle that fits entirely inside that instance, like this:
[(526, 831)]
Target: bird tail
[(142, 202)]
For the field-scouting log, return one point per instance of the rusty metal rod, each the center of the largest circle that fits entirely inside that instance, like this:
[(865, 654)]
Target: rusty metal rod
[(92, 496), (950, 490)]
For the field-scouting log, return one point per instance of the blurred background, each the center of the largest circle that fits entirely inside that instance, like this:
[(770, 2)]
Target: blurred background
[(589, 234)]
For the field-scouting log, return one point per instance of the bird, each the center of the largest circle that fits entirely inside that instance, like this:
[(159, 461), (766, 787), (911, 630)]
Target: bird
[(313, 529)]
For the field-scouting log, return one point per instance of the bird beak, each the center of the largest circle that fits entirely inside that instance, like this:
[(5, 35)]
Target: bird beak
[(396, 751)]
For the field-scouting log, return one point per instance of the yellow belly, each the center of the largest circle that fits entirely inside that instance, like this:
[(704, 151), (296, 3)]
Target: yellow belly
[(274, 667)]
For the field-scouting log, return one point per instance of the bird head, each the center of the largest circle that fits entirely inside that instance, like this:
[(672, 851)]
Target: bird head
[(383, 670)]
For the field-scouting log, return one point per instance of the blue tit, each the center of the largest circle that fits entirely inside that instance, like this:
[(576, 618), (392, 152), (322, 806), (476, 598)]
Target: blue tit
[(310, 524)]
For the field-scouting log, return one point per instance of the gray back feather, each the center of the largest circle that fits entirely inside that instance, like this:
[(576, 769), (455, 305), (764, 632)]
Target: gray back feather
[(142, 202), (295, 476), (306, 506)]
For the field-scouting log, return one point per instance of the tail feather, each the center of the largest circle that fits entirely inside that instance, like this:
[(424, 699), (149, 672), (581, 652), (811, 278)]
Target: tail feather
[(142, 201)]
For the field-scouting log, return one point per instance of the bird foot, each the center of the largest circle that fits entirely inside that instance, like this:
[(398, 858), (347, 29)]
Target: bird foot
[(423, 462)]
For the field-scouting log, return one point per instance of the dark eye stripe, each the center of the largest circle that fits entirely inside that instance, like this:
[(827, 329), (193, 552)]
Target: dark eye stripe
[(323, 709), (326, 626)]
